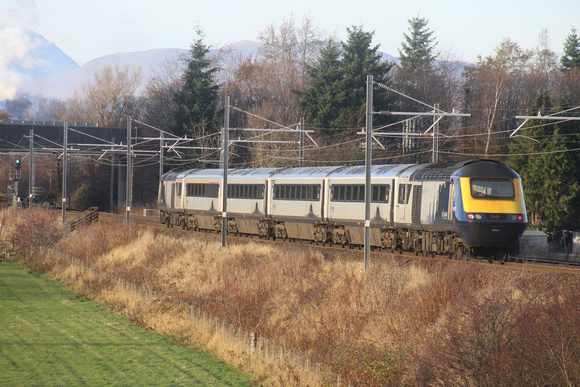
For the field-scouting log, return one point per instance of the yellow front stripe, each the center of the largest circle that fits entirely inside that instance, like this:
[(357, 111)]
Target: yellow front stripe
[(492, 206)]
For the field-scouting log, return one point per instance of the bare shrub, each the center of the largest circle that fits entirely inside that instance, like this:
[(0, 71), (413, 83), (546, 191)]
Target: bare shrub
[(504, 332), (97, 239), (369, 366), (34, 229), (552, 351)]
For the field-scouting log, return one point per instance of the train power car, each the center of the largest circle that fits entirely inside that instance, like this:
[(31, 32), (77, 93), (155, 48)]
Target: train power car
[(470, 208)]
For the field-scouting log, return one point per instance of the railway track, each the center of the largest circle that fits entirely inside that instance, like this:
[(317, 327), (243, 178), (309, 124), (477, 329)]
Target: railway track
[(535, 264)]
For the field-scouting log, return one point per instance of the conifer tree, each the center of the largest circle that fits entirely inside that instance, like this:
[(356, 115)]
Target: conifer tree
[(418, 49), (336, 96), (548, 169), (196, 113), (321, 100), (359, 60), (571, 56)]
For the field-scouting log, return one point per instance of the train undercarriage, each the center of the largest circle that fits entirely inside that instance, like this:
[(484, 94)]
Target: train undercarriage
[(394, 240)]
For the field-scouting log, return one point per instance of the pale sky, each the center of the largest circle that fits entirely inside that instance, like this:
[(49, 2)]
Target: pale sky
[(88, 29)]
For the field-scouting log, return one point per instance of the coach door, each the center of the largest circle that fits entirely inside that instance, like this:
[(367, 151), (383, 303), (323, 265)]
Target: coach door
[(403, 204)]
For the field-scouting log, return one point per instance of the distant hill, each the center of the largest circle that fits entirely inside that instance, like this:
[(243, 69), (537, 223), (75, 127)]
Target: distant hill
[(30, 55), (63, 86), (24, 55), (53, 74)]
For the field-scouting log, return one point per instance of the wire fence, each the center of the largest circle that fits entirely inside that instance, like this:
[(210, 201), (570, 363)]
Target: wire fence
[(255, 346)]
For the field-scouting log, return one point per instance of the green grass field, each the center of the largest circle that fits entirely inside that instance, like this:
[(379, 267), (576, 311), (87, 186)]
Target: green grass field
[(49, 337)]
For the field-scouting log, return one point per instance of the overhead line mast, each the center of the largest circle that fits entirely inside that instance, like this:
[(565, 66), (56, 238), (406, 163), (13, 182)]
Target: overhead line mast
[(368, 148)]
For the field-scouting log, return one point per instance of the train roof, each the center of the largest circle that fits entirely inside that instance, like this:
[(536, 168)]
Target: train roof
[(415, 172), (388, 170), (486, 169), (243, 172), (305, 172), (251, 172), (467, 168), (172, 175), (218, 173)]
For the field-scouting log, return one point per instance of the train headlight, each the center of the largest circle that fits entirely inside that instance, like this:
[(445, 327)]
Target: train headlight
[(517, 217), (474, 216)]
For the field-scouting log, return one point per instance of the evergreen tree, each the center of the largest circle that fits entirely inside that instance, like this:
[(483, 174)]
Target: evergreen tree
[(321, 100), (571, 56), (196, 111), (550, 173), (418, 48), (336, 96), (419, 78), (361, 59)]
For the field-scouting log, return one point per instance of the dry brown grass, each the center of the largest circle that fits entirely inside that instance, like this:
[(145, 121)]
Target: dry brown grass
[(439, 323)]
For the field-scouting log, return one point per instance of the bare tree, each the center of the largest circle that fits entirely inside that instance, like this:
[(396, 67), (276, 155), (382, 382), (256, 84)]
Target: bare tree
[(495, 84), (266, 84), (158, 102), (544, 60), (108, 98)]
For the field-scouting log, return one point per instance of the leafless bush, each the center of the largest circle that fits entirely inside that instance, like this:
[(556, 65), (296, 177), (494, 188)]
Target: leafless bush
[(505, 332), (33, 229), (369, 366), (97, 239)]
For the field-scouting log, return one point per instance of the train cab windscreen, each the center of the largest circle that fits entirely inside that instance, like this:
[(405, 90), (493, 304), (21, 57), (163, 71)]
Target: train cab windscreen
[(492, 189)]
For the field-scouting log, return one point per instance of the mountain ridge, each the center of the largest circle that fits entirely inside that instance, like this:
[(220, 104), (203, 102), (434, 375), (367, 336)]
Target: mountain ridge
[(62, 86), (62, 77)]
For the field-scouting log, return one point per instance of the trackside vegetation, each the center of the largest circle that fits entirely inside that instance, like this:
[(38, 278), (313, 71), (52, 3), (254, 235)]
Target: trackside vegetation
[(427, 322), (50, 336)]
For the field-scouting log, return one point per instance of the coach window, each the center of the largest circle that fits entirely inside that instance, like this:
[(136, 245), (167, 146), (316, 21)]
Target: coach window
[(212, 190), (294, 192), (202, 190), (404, 193), (375, 193), (380, 193)]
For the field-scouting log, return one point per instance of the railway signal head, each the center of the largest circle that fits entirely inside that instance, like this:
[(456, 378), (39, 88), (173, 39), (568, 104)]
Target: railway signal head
[(17, 162)]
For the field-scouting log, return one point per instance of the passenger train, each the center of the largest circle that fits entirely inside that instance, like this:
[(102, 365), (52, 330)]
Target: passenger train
[(465, 209)]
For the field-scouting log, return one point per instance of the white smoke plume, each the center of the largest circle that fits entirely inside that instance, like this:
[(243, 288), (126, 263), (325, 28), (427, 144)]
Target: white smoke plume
[(15, 43)]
